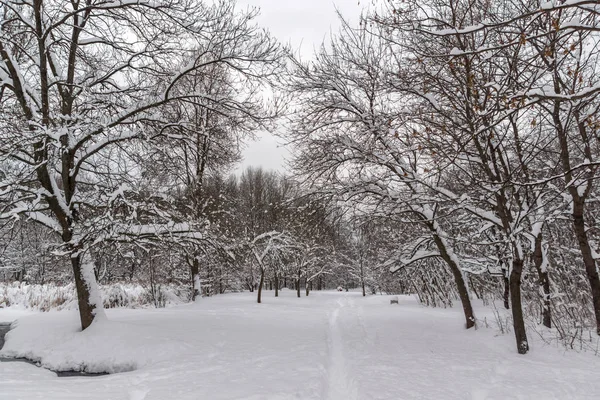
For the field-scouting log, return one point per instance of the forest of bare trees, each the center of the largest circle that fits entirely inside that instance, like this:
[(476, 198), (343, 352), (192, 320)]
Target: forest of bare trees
[(447, 149)]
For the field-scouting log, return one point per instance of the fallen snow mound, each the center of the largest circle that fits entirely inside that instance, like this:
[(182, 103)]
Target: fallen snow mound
[(55, 341)]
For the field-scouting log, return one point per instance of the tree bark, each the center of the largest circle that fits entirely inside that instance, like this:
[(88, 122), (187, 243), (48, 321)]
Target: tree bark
[(538, 261), (578, 201), (276, 285), (86, 309), (260, 285), (298, 282), (472, 285), (195, 269), (588, 259), (517, 308), (506, 289), (459, 280)]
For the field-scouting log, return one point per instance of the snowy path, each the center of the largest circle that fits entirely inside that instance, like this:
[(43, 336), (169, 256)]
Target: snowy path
[(329, 346), (340, 385)]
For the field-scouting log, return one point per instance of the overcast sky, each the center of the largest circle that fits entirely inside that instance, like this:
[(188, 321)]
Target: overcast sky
[(303, 24)]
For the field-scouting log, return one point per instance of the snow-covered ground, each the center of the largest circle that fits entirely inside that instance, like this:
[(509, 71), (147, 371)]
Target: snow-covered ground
[(330, 345)]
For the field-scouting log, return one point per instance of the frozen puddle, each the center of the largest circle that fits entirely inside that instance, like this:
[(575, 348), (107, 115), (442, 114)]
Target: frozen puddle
[(5, 327)]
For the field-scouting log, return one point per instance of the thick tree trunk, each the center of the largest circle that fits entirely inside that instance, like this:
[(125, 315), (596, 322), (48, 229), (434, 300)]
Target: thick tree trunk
[(538, 261), (459, 280), (307, 288), (260, 285), (276, 285), (363, 288), (588, 258), (86, 308), (517, 309)]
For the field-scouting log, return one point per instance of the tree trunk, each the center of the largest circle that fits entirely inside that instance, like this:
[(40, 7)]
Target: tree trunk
[(459, 280), (363, 287), (307, 288), (260, 285), (209, 281), (195, 266), (276, 285), (86, 308), (578, 202), (538, 261), (517, 309), (588, 259), (506, 289), (472, 285), (547, 312)]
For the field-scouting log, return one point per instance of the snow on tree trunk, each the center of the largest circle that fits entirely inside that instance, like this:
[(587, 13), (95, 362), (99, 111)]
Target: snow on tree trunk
[(540, 266), (88, 292), (196, 285), (517, 308), (588, 256), (452, 261)]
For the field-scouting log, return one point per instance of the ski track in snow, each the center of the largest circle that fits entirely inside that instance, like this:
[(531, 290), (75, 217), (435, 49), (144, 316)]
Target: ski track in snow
[(339, 385), (368, 337)]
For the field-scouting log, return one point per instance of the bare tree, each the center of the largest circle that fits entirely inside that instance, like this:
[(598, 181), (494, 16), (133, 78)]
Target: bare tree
[(79, 80), (346, 129)]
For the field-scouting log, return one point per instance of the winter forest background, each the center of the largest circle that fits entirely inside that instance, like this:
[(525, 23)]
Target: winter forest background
[(447, 149)]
